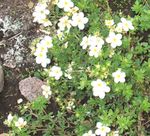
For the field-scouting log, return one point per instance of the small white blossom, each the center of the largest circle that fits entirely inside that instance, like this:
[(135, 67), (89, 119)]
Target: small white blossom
[(55, 72), (9, 118), (46, 91), (79, 20), (101, 129), (119, 28), (20, 123), (60, 34), (119, 76), (65, 4), (64, 22), (45, 22), (99, 88), (41, 48), (85, 42), (68, 72), (40, 13), (42, 59), (109, 23), (115, 133), (114, 39), (126, 25), (47, 42), (95, 41), (94, 51), (19, 100), (89, 133)]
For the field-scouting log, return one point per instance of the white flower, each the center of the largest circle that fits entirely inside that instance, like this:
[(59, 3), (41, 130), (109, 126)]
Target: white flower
[(101, 129), (9, 118), (20, 123), (126, 25), (114, 39), (46, 91), (109, 23), (40, 12), (68, 72), (95, 41), (85, 42), (47, 42), (41, 48), (42, 59), (95, 44), (92, 40), (115, 133), (19, 100), (45, 22), (119, 28), (79, 20), (119, 76), (65, 4), (60, 34), (64, 22), (89, 133), (94, 51), (99, 42), (99, 88), (66, 45), (55, 72)]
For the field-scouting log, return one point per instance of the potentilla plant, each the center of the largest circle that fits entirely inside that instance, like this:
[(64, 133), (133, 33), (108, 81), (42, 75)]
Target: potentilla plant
[(96, 74)]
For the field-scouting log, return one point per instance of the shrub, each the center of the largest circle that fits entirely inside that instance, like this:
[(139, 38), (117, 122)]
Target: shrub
[(97, 66)]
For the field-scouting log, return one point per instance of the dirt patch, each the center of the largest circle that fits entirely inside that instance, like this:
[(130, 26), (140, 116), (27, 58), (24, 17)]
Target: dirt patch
[(18, 10)]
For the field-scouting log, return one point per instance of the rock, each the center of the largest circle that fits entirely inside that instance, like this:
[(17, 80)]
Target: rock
[(1, 78), (30, 88)]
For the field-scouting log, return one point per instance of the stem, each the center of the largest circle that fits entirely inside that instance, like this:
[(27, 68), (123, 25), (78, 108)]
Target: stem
[(108, 7)]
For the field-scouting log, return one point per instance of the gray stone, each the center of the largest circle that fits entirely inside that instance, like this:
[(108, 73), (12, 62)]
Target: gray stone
[(1, 78), (30, 88)]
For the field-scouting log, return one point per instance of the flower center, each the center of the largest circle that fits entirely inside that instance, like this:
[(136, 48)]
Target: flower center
[(118, 76), (114, 40), (103, 129), (66, 3), (100, 84)]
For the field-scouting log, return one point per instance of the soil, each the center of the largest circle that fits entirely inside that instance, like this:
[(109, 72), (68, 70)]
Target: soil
[(17, 9)]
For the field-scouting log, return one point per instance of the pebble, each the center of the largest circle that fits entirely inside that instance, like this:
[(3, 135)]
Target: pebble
[(30, 88)]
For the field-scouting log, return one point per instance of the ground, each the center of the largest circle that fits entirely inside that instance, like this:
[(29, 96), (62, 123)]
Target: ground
[(21, 11)]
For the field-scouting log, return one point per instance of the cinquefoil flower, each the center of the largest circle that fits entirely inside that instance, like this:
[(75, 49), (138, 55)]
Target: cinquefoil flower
[(79, 20), (55, 72), (114, 39), (46, 91), (99, 88), (20, 123), (119, 76), (65, 4), (89, 133), (101, 129)]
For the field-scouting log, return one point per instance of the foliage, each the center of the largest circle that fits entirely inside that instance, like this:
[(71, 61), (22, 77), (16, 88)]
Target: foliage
[(76, 110)]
